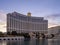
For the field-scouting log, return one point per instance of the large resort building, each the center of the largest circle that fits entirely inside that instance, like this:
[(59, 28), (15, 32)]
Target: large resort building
[(26, 23), (54, 30)]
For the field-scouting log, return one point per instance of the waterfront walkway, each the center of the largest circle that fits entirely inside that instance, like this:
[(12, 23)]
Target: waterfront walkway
[(11, 38)]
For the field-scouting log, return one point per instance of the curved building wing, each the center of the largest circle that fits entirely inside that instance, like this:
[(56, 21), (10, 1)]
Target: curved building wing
[(22, 23)]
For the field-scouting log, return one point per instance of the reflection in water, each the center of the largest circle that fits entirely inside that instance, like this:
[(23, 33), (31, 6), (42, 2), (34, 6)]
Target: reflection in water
[(30, 42), (3, 43), (41, 42), (26, 41), (54, 42)]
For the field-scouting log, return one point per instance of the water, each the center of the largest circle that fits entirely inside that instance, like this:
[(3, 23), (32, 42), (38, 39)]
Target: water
[(30, 42)]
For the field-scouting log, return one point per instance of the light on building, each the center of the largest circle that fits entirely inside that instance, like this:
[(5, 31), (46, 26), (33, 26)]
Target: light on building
[(28, 14)]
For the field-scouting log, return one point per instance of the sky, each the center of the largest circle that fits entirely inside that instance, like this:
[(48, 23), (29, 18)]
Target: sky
[(49, 9)]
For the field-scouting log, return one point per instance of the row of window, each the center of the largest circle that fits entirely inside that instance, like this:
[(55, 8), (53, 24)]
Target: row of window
[(24, 25), (25, 18)]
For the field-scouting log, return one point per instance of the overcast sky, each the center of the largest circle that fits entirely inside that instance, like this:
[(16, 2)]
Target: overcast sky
[(49, 9)]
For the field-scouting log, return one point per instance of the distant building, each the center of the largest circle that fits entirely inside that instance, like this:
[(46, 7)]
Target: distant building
[(22, 23), (54, 30)]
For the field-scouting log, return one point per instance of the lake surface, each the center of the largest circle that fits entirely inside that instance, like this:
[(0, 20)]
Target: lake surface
[(30, 42)]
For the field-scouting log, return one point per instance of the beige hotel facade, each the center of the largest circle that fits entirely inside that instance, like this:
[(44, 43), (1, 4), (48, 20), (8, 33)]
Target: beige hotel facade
[(26, 23)]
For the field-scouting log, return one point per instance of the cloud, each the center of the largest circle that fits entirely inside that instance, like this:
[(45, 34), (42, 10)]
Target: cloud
[(2, 16), (53, 20), (2, 27), (53, 16), (52, 25), (2, 21)]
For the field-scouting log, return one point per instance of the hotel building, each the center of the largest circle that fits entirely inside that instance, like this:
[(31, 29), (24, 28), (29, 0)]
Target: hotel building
[(26, 23), (54, 30)]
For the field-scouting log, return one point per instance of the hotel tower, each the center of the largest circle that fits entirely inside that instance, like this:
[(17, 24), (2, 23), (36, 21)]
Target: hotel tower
[(26, 23)]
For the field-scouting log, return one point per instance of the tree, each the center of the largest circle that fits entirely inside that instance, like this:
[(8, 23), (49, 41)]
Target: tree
[(1, 34), (52, 35), (14, 33), (26, 35), (8, 33)]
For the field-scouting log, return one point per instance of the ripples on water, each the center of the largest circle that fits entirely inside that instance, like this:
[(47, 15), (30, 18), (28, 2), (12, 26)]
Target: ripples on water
[(30, 42)]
